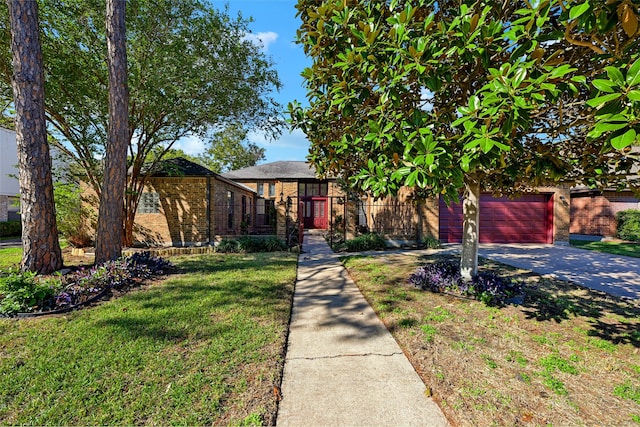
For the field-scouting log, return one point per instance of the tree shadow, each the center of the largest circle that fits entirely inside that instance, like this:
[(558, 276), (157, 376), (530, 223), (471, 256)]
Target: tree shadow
[(200, 308), (611, 318)]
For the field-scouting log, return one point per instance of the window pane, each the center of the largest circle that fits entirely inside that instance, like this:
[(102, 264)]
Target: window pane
[(272, 189), (260, 189), (149, 203), (301, 189)]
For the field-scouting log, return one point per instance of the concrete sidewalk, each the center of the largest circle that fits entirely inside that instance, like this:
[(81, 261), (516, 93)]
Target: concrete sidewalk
[(342, 366)]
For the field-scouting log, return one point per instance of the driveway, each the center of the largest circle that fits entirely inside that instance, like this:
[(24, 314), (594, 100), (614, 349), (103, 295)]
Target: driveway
[(615, 274), (11, 243)]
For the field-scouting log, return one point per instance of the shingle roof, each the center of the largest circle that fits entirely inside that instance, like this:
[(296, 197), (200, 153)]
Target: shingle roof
[(274, 170), (180, 167)]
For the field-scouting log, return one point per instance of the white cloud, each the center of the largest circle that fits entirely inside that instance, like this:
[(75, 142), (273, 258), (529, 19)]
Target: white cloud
[(192, 145), (262, 39)]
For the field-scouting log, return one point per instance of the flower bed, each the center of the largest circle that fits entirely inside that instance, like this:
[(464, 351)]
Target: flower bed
[(26, 294), (444, 277)]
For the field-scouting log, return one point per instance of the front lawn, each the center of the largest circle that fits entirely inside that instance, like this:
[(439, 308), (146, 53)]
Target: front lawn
[(567, 356), (616, 248), (206, 346), (10, 258)]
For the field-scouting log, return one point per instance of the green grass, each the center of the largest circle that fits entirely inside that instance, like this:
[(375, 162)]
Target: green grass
[(10, 257), (616, 248), (203, 347)]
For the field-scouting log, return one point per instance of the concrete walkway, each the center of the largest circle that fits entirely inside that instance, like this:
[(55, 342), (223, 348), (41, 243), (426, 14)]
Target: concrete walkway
[(615, 274), (343, 367)]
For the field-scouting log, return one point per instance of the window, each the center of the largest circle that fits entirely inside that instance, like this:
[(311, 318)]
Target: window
[(230, 209), (244, 207), (272, 189), (312, 189), (149, 203), (261, 189)]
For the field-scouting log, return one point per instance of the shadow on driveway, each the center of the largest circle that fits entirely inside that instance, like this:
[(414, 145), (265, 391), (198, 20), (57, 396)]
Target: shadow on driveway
[(615, 274)]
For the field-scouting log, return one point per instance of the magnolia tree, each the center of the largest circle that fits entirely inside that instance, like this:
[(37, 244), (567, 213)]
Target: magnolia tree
[(453, 98)]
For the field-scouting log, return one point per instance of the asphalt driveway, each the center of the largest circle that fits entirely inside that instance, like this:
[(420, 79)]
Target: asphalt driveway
[(614, 274)]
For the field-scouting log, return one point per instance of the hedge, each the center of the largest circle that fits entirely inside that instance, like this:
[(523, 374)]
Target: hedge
[(10, 229), (629, 225)]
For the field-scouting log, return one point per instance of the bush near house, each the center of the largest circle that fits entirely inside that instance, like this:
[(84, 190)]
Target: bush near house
[(251, 244), (366, 242), (629, 225), (26, 292), (10, 228)]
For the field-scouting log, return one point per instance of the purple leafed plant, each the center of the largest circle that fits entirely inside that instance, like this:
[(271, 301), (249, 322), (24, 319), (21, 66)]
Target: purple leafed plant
[(488, 287)]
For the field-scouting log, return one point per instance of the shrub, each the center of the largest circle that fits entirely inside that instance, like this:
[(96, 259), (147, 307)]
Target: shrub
[(23, 292), (366, 242), (228, 246), (432, 243), (10, 228), (71, 214), (253, 244), (487, 287), (629, 225)]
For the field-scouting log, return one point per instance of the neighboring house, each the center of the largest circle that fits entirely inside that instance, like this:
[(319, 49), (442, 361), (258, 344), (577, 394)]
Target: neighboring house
[(9, 185), (593, 212), (187, 204)]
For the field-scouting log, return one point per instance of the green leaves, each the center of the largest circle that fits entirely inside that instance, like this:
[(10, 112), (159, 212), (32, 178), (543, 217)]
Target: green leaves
[(622, 141), (633, 75), (578, 10), (617, 117)]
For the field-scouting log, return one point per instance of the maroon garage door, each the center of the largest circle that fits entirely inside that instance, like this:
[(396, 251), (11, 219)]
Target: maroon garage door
[(527, 219)]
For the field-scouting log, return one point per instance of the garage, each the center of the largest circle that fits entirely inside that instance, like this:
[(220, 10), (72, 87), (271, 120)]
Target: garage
[(527, 219)]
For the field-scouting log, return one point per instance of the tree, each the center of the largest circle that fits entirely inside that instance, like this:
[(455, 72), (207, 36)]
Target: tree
[(111, 212), (190, 70), (457, 97), (41, 249), (229, 150)]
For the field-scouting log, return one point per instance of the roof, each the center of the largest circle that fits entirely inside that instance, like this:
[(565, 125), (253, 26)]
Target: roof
[(274, 170), (179, 167)]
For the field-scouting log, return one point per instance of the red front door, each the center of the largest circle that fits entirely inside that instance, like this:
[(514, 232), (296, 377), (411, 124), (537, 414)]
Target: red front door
[(315, 212)]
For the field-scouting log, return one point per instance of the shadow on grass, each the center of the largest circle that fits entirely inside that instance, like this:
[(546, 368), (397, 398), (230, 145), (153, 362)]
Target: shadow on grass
[(202, 302), (558, 301)]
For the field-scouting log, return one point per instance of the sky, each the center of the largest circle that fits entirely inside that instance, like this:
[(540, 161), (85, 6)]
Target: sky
[(275, 24)]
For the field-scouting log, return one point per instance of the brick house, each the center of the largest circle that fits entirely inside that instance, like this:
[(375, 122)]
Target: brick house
[(285, 189), (187, 204), (593, 212), (543, 217)]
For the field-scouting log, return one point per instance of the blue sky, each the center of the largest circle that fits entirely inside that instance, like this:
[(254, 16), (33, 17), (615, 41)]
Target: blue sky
[(275, 24)]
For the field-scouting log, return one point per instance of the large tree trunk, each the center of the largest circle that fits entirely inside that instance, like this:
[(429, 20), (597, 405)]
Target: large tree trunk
[(470, 228), (111, 214), (41, 249)]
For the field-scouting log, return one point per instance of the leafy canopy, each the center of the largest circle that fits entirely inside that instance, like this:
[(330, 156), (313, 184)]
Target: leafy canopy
[(430, 93)]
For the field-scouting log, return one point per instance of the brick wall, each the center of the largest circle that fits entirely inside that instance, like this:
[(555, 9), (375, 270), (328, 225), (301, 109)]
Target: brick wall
[(595, 214), (561, 212), (185, 217), (402, 217)]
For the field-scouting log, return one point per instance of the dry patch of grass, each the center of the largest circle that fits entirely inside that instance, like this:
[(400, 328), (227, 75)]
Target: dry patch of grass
[(567, 356)]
